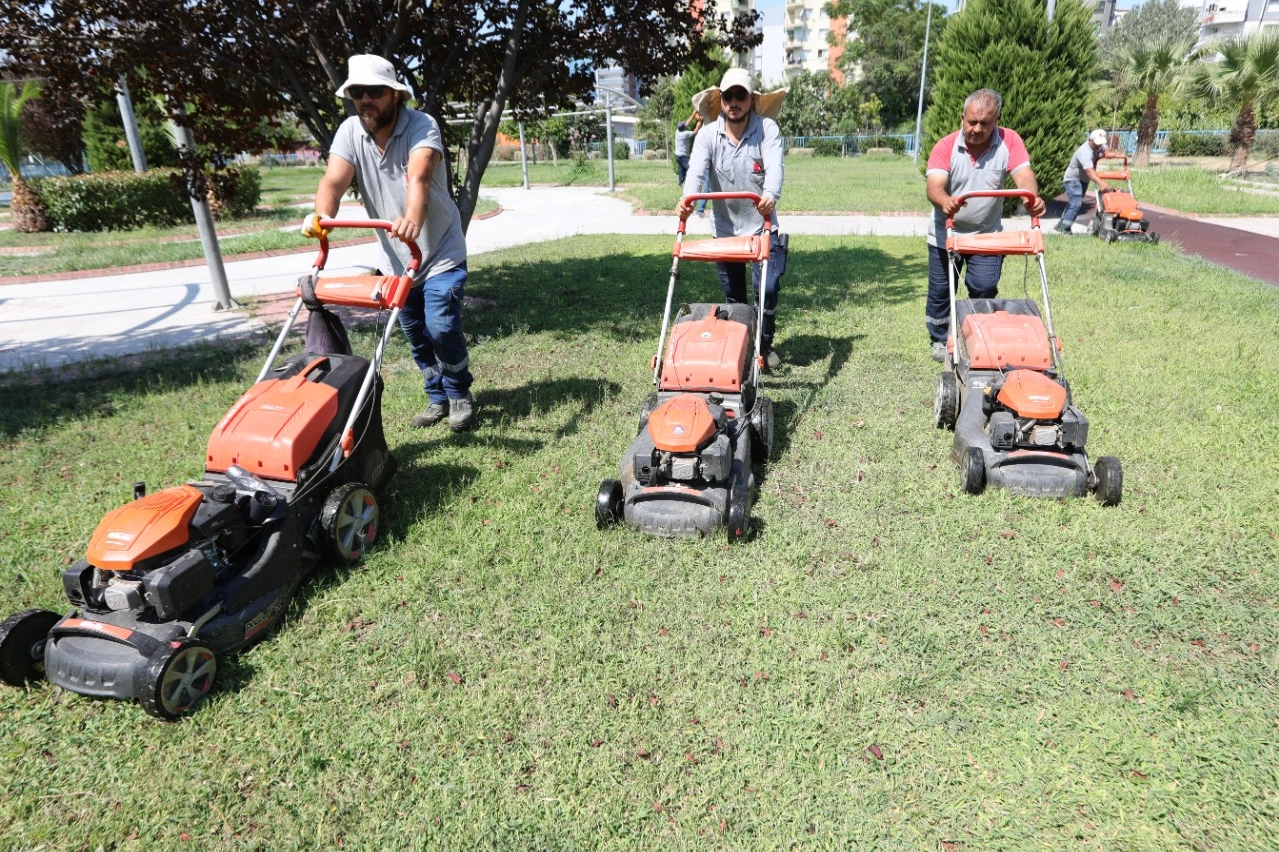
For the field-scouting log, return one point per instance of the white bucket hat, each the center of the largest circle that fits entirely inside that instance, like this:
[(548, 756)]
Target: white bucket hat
[(707, 102), (1097, 137), (365, 69)]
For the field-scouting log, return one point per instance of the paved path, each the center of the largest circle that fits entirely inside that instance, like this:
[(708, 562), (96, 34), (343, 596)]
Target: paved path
[(56, 323)]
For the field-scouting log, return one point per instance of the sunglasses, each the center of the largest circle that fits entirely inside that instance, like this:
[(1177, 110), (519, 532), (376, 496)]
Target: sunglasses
[(734, 95), (357, 92)]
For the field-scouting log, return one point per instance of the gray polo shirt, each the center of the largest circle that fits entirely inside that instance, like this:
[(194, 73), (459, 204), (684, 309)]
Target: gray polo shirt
[(1006, 155), (683, 142), (753, 165), (382, 178), (1086, 157)]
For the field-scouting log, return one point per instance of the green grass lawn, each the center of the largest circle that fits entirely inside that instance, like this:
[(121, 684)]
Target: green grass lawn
[(887, 663), (1199, 191)]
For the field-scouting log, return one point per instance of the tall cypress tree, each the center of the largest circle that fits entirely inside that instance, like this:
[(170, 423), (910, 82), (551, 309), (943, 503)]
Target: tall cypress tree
[(1041, 68)]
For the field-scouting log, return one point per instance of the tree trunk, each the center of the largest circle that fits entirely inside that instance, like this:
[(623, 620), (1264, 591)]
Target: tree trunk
[(28, 211), (1241, 138), (1146, 131)]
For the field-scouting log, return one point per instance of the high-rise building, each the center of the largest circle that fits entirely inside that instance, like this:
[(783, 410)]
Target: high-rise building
[(807, 29), (1226, 18)]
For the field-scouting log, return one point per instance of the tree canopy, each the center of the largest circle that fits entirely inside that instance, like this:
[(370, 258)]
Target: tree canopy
[(236, 63), (1153, 22)]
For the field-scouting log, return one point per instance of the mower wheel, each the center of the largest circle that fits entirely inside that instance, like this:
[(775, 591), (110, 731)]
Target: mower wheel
[(762, 428), (1153, 236), (1109, 485), (649, 406), (22, 638), (609, 503), (973, 471), (739, 513), (177, 678), (946, 401), (1094, 227), (1111, 236), (349, 520)]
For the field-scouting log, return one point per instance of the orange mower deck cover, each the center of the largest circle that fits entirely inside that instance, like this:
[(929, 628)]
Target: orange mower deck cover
[(682, 424), (1000, 339), (1000, 243), (149, 526), (1121, 204), (1033, 395), (274, 427), (706, 355), (751, 248)]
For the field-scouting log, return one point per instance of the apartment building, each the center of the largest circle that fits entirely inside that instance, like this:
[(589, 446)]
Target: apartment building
[(1227, 18), (807, 29)]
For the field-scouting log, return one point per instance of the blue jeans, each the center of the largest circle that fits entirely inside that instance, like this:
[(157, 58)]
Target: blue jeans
[(432, 323), (981, 278), (732, 279), (706, 187), (681, 169), (1074, 200)]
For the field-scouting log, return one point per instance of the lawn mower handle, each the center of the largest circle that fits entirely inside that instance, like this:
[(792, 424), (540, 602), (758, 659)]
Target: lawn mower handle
[(380, 224), (1024, 194), (753, 197)]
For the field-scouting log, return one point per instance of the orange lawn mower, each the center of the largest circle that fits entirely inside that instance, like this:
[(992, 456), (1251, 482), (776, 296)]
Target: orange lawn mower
[(179, 577), (1004, 392), (1117, 215), (688, 471)]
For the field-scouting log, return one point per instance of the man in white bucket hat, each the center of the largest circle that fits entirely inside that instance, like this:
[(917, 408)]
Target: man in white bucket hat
[(740, 149), (1082, 169), (392, 153)]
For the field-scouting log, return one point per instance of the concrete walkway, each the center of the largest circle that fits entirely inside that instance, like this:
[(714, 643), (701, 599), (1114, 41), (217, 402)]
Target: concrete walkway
[(51, 324)]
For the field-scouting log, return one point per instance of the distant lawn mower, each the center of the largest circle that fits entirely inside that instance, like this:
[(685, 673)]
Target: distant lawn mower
[(688, 472), (1117, 215), (1003, 391), (180, 576)]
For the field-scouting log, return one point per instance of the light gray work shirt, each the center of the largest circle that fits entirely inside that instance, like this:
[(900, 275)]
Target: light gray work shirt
[(382, 178), (1086, 157), (683, 142), (752, 165), (1005, 155)]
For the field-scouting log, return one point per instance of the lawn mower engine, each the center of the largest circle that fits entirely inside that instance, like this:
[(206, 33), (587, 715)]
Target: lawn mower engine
[(684, 442), (1028, 410)]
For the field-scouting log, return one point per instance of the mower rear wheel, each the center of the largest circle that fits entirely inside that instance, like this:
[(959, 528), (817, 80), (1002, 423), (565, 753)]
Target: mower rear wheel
[(1109, 485), (609, 503), (177, 678), (946, 401), (22, 639), (350, 520), (761, 424), (973, 471)]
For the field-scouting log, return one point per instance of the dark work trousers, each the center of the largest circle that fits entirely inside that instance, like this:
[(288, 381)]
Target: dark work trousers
[(981, 278)]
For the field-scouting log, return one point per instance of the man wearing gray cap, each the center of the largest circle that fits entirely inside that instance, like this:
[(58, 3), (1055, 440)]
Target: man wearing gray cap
[(392, 152), (1082, 168)]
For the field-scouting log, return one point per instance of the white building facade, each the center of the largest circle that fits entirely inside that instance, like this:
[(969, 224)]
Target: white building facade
[(1229, 18), (806, 30)]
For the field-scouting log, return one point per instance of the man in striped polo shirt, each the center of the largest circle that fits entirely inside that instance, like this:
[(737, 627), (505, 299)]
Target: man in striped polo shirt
[(978, 156)]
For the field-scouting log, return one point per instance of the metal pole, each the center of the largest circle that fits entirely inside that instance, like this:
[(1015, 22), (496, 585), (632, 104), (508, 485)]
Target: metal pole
[(204, 223), (923, 75), (608, 124), (130, 126), (523, 159)]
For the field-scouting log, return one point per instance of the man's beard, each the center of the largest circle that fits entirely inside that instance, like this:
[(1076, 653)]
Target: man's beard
[(379, 119)]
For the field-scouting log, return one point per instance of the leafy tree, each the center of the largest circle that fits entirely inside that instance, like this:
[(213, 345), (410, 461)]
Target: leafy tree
[(885, 57), (1039, 67), (807, 108), (1246, 79), (28, 216), (1153, 71), (104, 140), (234, 61), (52, 126), (1153, 22)]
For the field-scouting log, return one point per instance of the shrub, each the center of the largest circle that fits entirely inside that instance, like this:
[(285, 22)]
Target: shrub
[(1266, 144), (1197, 144), (828, 147), (120, 201)]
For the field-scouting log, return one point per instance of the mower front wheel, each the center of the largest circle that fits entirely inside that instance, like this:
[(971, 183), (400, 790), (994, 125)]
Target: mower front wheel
[(22, 640), (946, 401), (973, 471), (609, 503), (177, 678), (739, 513), (1109, 481), (761, 423), (350, 521)]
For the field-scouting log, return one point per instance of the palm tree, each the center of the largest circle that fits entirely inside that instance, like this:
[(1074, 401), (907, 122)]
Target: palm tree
[(1154, 70), (28, 213), (1245, 78)]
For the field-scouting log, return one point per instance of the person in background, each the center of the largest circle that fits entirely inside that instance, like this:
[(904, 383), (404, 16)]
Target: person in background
[(392, 152), (1082, 169), (978, 156), (683, 145)]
